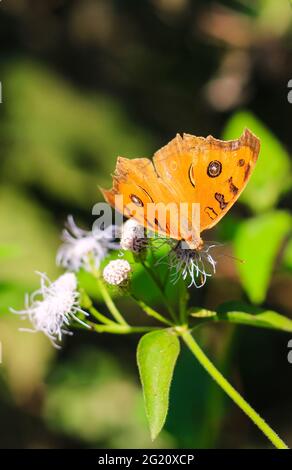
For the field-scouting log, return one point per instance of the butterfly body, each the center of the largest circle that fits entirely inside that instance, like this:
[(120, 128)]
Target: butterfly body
[(195, 180)]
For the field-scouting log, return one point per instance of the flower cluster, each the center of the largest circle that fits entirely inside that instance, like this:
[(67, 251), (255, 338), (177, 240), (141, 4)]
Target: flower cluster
[(193, 264), (82, 248), (52, 308)]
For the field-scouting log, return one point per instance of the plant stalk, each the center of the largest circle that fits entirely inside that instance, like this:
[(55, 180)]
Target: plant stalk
[(230, 390), (151, 312), (110, 303), (161, 290), (122, 329)]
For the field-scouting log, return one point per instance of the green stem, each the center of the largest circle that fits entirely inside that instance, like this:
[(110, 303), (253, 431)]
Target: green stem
[(121, 329), (88, 305), (161, 290), (183, 300), (109, 303), (230, 390), (100, 317), (150, 312)]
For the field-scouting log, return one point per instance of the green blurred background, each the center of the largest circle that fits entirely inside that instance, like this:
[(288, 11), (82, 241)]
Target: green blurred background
[(82, 82)]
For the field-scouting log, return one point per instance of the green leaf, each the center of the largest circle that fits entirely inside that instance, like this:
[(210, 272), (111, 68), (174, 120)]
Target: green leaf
[(257, 242), (243, 314), (156, 355), (236, 312), (272, 174), (267, 319)]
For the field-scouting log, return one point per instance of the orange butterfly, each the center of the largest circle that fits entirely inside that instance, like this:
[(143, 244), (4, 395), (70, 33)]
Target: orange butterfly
[(188, 170)]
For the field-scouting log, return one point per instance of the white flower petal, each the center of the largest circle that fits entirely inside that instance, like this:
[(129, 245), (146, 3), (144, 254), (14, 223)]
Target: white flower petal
[(198, 265), (52, 308), (81, 246)]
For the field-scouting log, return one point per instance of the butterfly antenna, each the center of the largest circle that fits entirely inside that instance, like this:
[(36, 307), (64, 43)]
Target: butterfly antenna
[(242, 261), (214, 244)]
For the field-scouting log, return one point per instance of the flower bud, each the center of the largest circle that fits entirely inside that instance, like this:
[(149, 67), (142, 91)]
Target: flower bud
[(133, 237), (116, 272)]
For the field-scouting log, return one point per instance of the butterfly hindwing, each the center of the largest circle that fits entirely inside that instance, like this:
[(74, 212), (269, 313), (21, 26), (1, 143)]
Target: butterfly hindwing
[(220, 172)]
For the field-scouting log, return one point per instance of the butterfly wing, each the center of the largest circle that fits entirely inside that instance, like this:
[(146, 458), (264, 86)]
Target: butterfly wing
[(189, 169), (136, 186), (209, 171)]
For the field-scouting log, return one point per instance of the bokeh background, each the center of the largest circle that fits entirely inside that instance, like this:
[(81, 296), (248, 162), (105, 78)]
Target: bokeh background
[(82, 82)]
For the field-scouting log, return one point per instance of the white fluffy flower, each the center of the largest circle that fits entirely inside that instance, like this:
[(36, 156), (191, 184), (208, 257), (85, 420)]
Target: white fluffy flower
[(198, 265), (52, 307), (117, 272), (80, 247), (133, 236)]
